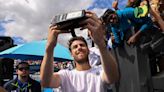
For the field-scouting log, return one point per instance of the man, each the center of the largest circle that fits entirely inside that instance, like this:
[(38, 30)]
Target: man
[(122, 21), (23, 82), (83, 78)]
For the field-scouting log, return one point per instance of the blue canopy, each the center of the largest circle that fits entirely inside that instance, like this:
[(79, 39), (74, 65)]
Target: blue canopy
[(35, 51)]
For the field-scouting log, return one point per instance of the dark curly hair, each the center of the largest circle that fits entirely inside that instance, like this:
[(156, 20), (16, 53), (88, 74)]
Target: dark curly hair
[(74, 39), (107, 13)]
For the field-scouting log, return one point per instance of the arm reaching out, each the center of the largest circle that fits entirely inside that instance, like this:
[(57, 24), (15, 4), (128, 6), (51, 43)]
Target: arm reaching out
[(115, 4), (96, 31), (48, 79)]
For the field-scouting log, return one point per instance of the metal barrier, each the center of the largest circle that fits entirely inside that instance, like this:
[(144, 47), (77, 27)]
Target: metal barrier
[(135, 71)]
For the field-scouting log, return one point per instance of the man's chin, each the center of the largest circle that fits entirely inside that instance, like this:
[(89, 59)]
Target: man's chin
[(81, 58)]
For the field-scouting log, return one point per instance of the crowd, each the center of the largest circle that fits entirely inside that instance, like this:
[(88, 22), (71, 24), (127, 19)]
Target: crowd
[(63, 65), (56, 64), (93, 70)]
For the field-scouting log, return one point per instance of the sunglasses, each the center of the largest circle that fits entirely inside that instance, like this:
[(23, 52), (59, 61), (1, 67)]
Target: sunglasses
[(23, 68)]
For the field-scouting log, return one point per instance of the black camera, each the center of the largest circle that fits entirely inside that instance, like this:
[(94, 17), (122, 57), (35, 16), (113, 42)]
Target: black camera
[(69, 20)]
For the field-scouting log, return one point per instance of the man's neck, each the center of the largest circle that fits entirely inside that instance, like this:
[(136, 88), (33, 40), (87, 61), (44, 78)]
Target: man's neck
[(83, 66), (23, 79)]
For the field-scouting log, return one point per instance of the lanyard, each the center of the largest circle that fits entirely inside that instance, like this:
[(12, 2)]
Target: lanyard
[(24, 89)]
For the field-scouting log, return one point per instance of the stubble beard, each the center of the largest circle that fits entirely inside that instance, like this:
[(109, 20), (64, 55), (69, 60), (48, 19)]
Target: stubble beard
[(24, 76), (82, 61)]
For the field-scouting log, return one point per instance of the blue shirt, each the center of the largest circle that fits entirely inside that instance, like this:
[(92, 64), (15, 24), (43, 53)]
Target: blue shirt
[(126, 21)]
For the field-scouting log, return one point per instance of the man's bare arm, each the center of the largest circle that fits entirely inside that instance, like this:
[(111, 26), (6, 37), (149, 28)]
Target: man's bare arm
[(48, 79), (96, 31)]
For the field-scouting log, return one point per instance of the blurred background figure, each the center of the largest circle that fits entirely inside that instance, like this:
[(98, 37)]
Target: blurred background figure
[(23, 82), (2, 89)]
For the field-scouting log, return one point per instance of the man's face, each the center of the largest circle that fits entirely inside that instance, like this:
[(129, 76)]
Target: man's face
[(112, 19), (79, 51), (23, 70)]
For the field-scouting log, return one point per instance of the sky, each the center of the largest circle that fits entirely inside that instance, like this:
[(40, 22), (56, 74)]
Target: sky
[(28, 20)]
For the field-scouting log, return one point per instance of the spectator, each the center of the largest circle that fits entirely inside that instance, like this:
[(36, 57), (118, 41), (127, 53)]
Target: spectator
[(83, 78), (123, 20), (23, 82), (69, 65), (130, 3), (136, 3)]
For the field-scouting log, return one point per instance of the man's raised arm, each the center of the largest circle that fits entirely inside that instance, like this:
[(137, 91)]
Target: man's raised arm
[(48, 78), (96, 31)]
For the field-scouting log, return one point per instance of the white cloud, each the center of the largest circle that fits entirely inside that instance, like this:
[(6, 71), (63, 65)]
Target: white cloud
[(99, 11), (32, 17)]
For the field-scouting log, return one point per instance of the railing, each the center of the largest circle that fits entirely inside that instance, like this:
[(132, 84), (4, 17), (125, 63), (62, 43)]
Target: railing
[(135, 70)]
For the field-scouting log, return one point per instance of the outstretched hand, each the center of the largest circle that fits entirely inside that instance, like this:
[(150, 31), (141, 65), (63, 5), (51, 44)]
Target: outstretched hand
[(115, 5), (132, 40), (95, 27), (53, 33)]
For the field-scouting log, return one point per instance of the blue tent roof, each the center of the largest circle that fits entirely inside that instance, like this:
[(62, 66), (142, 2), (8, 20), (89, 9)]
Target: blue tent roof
[(35, 51)]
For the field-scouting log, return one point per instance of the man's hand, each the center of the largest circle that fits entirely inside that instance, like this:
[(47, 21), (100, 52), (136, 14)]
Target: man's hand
[(52, 37), (115, 5), (112, 37), (95, 27), (134, 38)]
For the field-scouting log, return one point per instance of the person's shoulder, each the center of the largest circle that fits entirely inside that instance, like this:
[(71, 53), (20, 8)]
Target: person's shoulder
[(32, 80), (65, 71), (35, 83), (9, 83)]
